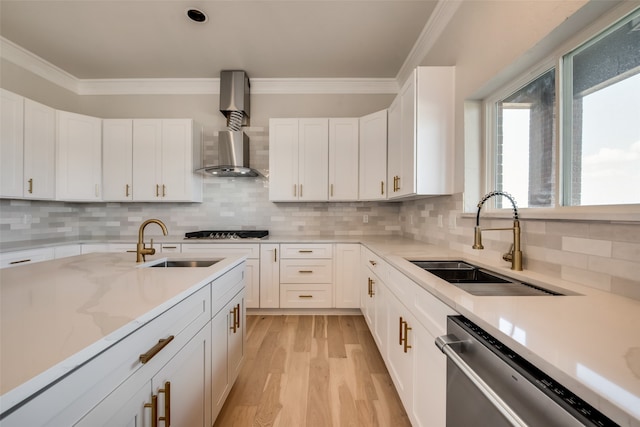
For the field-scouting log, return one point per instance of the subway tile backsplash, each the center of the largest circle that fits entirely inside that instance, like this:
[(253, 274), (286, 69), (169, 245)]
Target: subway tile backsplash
[(602, 255)]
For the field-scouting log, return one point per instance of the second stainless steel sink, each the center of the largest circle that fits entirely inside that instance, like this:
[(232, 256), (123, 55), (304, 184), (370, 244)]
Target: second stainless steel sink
[(479, 281)]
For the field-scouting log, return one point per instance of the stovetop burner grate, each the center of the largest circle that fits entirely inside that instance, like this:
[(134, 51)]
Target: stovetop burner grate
[(227, 234)]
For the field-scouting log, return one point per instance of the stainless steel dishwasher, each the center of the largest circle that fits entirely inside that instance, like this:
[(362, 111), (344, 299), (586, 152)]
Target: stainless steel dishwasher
[(490, 385)]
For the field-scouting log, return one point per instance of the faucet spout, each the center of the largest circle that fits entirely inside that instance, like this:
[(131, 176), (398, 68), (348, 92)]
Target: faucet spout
[(515, 253), (141, 249)]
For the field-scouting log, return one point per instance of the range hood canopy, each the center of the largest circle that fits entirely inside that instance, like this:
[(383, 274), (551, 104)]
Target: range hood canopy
[(233, 156), (233, 144)]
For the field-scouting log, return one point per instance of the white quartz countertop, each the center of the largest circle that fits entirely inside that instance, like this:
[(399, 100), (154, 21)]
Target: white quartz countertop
[(589, 342), (56, 315)]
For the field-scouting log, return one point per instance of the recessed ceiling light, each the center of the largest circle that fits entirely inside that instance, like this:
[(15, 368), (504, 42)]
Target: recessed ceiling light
[(196, 15)]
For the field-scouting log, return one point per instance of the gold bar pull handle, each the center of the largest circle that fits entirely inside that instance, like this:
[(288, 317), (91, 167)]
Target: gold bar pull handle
[(305, 251), (401, 339), (300, 190), (97, 191), (295, 190), (145, 357), (157, 190), (331, 190), (406, 337), (275, 254), (372, 262), (233, 322), (30, 181), (397, 183), (167, 404), (164, 190), (382, 188), (305, 271), (237, 317), (126, 190), (305, 296), (154, 410), (20, 261)]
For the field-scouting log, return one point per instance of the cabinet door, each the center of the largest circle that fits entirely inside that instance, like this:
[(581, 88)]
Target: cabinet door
[(313, 157), (405, 184), (269, 276), (79, 157), (236, 334), (343, 159), (220, 383), (367, 301), (394, 157), (428, 408), (399, 355), (183, 385), (252, 276), (373, 156), (283, 159), (39, 151), (147, 159), (347, 276), (177, 168), (117, 159), (12, 145)]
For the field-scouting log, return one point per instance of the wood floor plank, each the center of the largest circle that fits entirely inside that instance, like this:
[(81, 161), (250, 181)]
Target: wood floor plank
[(349, 329), (335, 339), (316, 371)]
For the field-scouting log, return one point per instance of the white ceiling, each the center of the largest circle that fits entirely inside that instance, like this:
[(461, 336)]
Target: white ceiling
[(97, 39)]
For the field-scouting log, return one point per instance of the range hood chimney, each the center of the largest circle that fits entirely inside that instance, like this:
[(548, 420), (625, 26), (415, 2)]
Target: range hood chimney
[(233, 144)]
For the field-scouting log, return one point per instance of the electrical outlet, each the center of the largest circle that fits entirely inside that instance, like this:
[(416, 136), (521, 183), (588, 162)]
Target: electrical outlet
[(365, 219)]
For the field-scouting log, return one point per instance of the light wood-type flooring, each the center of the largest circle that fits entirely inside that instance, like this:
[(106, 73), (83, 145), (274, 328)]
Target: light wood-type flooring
[(317, 371)]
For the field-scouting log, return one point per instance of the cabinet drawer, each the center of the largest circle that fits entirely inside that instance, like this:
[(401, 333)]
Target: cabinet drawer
[(223, 249), (225, 286), (14, 259), (305, 296), (306, 271), (320, 250), (375, 263)]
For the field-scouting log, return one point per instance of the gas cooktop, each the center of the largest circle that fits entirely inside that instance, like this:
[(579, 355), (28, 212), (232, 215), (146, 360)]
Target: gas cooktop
[(227, 234)]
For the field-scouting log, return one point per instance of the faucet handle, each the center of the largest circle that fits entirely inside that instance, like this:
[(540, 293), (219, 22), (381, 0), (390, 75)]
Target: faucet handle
[(509, 255)]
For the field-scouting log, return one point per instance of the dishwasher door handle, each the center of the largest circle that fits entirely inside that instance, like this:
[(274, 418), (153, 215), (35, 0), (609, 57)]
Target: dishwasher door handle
[(444, 343)]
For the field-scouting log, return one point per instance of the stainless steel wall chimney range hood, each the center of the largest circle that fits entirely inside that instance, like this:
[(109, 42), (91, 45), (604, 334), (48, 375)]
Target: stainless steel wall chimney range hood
[(233, 144)]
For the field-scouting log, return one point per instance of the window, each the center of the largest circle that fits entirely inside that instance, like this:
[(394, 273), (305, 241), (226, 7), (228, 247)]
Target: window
[(602, 118), (599, 160), (526, 145)]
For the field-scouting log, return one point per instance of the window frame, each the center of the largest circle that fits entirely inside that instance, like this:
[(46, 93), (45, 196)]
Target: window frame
[(618, 212)]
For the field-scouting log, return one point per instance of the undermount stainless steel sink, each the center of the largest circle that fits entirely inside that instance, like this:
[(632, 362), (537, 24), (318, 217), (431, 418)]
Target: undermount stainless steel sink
[(184, 263), (478, 281)]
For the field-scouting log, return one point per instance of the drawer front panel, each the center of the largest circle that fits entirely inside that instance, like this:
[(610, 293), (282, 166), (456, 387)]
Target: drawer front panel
[(320, 250), (305, 296), (306, 271)]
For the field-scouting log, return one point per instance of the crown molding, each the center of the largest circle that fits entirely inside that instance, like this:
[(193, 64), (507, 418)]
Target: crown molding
[(438, 21), (38, 66), (259, 86)]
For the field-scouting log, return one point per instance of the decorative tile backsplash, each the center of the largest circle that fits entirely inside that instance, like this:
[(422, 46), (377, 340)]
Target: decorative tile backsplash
[(603, 255)]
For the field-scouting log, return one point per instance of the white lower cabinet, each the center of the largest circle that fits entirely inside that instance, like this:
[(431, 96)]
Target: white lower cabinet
[(269, 275), (347, 275), (306, 275), (405, 320)]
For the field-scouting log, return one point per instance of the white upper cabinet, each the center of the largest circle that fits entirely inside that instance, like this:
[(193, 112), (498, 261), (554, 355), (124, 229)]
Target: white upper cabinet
[(343, 159), (39, 151), (11, 143), (298, 159), (165, 154), (421, 134), (78, 157), (117, 159), (28, 148), (373, 156)]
